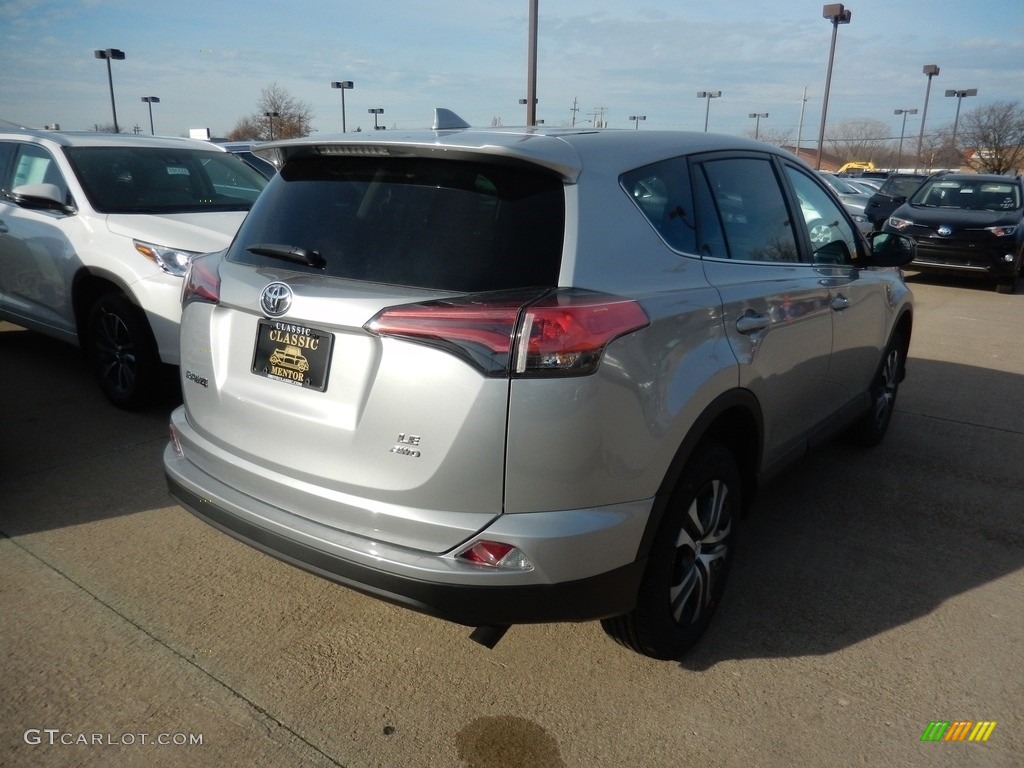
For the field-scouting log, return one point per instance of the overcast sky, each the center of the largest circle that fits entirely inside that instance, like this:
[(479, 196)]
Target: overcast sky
[(207, 61)]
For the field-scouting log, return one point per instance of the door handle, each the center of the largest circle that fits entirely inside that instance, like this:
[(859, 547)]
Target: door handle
[(840, 302), (751, 322)]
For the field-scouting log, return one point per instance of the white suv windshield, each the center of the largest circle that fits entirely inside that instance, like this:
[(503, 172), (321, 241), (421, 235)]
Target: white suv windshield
[(158, 180)]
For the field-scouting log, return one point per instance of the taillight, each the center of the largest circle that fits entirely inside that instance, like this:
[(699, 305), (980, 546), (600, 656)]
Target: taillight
[(556, 334), (202, 280)]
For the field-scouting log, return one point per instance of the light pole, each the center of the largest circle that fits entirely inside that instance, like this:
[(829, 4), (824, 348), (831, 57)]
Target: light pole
[(271, 115), (376, 111), (531, 68), (838, 14), (117, 55), (904, 112), (151, 100), (344, 85), (931, 70), (709, 95), (959, 97), (757, 125), (636, 121)]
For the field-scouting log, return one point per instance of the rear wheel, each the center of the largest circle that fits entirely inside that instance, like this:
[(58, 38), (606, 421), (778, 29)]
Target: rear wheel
[(122, 352), (689, 560)]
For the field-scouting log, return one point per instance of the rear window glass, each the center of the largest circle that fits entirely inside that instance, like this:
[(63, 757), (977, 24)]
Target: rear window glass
[(444, 224), (164, 180)]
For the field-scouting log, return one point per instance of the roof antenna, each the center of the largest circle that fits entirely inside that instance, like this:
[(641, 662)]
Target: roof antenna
[(446, 120)]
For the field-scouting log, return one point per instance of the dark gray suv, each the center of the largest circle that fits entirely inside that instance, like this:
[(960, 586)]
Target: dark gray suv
[(528, 375)]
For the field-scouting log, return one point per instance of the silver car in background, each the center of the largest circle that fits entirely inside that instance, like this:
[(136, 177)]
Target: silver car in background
[(526, 375)]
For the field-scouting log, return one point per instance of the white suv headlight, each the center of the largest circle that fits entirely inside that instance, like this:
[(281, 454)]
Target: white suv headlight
[(173, 261)]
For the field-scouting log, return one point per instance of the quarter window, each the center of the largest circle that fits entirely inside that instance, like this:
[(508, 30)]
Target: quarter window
[(662, 193)]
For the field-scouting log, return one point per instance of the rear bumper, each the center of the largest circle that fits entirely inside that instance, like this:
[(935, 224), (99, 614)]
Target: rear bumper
[(436, 585)]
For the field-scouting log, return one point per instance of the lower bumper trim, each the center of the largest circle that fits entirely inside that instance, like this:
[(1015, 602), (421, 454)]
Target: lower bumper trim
[(607, 594)]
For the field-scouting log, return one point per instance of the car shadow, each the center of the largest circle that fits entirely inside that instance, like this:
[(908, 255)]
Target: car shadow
[(61, 438), (852, 543), (846, 545)]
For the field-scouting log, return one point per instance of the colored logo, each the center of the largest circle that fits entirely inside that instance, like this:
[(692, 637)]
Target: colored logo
[(958, 730)]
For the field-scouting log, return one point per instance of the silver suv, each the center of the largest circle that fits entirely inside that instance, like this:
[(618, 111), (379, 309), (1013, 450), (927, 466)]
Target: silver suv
[(95, 233), (528, 375)]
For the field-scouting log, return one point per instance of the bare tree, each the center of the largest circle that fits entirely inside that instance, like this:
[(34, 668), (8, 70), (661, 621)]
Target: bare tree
[(858, 140), (991, 138), (776, 137), (278, 113)]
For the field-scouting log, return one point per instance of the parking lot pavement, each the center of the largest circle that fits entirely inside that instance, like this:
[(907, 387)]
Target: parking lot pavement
[(876, 592)]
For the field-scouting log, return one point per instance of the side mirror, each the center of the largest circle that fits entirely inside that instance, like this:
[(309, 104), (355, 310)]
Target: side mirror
[(890, 250), (44, 196)]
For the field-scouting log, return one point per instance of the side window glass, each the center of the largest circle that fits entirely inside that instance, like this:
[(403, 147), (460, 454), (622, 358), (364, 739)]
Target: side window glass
[(6, 152), (751, 210), (34, 165), (662, 193), (710, 233), (832, 237)]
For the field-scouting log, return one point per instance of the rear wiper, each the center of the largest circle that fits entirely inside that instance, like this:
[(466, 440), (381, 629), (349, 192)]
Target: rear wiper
[(293, 253)]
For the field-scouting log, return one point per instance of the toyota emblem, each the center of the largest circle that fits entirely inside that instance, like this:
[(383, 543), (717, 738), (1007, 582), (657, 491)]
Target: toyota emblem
[(945, 230), (276, 299)]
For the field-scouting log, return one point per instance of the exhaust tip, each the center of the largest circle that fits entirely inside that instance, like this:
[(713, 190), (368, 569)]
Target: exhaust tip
[(488, 636)]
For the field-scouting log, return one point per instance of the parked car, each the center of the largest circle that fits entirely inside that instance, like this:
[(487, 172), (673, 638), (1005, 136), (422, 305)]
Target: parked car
[(243, 149), (969, 224), (867, 186), (545, 368), (853, 198), (891, 195), (96, 231)]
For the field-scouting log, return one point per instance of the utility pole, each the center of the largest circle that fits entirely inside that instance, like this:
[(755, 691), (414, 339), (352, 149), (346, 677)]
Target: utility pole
[(800, 126), (574, 109)]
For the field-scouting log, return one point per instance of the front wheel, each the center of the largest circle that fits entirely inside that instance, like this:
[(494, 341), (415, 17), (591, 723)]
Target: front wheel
[(122, 352), (689, 560), (875, 422), (820, 232)]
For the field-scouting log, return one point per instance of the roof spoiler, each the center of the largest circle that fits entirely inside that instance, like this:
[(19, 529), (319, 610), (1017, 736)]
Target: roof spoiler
[(446, 120)]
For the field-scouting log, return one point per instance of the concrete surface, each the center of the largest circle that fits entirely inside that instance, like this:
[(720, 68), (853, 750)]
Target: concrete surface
[(875, 592)]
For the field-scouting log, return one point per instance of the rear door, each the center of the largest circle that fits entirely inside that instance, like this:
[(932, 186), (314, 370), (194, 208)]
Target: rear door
[(775, 305)]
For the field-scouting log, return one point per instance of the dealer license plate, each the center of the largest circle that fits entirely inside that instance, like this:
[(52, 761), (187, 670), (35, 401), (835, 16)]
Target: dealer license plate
[(293, 353)]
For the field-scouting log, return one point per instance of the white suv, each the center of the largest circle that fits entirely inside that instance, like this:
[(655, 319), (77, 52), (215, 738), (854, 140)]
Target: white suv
[(96, 231)]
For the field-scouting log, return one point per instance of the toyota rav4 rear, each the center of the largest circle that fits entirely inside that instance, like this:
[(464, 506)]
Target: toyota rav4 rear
[(471, 373)]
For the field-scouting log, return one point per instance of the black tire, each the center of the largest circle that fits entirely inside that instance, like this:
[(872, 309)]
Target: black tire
[(122, 352), (1006, 286), (873, 425), (689, 560)]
